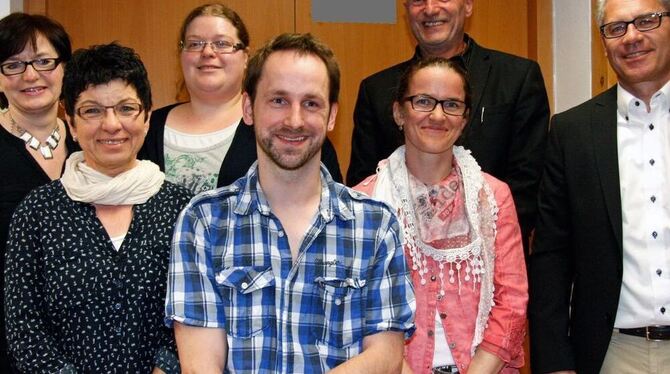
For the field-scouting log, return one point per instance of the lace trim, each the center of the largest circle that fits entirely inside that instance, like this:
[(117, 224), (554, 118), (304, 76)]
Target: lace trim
[(477, 258)]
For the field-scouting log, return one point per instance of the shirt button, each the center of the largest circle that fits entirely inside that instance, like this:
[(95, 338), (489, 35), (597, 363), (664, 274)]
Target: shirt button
[(651, 126), (663, 309), (117, 306), (452, 345), (281, 234), (338, 301), (659, 272), (653, 199), (439, 297), (433, 278), (430, 333), (637, 103), (118, 283), (443, 315), (652, 162), (654, 234), (244, 285)]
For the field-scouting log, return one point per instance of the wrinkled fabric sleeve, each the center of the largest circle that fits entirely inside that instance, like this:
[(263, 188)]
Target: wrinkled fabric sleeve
[(329, 158), (31, 342), (390, 295), (192, 293), (525, 156), (506, 326), (166, 359), (364, 139), (550, 268)]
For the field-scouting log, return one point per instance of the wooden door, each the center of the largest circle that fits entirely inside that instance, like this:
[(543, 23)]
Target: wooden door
[(151, 27)]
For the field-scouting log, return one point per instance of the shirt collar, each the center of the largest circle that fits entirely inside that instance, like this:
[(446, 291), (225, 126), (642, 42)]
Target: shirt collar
[(462, 58), (626, 100), (251, 197)]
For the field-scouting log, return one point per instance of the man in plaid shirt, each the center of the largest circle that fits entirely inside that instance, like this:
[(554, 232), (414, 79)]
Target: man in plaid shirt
[(286, 271)]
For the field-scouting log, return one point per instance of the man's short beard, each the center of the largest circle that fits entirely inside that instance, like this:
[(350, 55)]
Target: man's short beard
[(281, 159)]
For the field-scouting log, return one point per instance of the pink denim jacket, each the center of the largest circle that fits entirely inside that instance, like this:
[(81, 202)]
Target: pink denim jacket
[(506, 327)]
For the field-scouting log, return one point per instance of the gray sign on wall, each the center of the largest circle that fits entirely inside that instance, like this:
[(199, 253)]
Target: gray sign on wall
[(354, 11)]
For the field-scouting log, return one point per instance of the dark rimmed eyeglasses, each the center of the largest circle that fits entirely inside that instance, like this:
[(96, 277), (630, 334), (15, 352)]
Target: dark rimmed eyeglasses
[(218, 46), (425, 103), (645, 22), (39, 64), (97, 112)]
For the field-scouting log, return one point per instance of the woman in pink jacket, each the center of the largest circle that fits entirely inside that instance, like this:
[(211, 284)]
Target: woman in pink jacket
[(460, 232)]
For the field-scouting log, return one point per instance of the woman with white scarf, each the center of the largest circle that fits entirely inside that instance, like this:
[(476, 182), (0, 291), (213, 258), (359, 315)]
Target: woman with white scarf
[(460, 232), (87, 255)]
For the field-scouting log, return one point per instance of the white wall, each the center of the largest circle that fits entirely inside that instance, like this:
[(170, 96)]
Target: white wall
[(572, 53), (5, 7), (8, 6)]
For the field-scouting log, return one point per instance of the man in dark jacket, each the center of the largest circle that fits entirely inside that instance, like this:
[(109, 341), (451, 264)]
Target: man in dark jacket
[(510, 113)]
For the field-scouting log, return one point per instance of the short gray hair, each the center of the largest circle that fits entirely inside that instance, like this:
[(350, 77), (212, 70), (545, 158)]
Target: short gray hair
[(600, 9)]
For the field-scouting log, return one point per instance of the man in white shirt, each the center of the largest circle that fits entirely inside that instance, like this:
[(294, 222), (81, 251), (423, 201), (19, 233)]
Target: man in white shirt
[(600, 263)]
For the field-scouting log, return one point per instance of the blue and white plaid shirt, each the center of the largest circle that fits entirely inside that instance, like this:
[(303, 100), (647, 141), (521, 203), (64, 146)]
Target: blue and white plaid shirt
[(231, 268)]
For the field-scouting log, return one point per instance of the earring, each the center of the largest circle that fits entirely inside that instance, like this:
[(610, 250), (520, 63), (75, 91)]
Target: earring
[(400, 126), (74, 138)]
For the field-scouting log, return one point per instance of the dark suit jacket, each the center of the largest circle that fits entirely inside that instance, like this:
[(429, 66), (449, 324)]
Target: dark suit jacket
[(241, 154), (576, 263), (506, 132)]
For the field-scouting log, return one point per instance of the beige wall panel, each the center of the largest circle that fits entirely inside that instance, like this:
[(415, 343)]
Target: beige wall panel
[(151, 27)]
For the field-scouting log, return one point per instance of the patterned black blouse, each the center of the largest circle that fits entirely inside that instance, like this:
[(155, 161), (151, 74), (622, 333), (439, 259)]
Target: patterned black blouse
[(73, 302)]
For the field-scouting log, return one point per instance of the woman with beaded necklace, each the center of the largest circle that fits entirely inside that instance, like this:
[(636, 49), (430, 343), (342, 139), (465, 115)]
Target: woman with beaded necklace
[(460, 232), (34, 142)]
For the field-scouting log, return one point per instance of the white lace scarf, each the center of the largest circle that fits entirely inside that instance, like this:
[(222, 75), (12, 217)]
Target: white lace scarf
[(134, 186), (392, 186)]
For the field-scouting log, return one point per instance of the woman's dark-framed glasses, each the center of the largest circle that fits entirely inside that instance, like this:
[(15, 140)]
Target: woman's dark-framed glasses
[(39, 64), (425, 103), (645, 22), (97, 112), (218, 46)]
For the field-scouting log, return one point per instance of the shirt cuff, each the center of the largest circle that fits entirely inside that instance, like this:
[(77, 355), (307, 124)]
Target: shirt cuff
[(68, 369), (167, 361)]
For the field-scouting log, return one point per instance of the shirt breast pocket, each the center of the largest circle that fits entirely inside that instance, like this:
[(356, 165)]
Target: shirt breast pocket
[(248, 299), (342, 301)]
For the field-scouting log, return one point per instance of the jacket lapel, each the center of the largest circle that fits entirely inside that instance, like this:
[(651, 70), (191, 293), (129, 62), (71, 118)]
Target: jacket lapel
[(478, 72), (479, 67), (604, 140)]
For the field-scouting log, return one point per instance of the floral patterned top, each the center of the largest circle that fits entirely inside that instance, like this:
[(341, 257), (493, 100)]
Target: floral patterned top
[(73, 302)]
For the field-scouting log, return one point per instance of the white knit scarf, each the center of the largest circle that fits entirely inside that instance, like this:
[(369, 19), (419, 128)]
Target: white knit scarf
[(392, 187), (134, 186)]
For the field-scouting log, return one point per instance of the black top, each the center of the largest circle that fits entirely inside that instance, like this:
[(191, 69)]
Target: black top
[(19, 173), (240, 156), (506, 131), (74, 301)]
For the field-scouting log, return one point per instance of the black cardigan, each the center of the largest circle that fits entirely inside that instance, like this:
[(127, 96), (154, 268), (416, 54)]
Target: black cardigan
[(240, 156)]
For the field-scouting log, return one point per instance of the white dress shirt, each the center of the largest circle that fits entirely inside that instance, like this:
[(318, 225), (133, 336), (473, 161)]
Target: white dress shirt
[(643, 141)]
